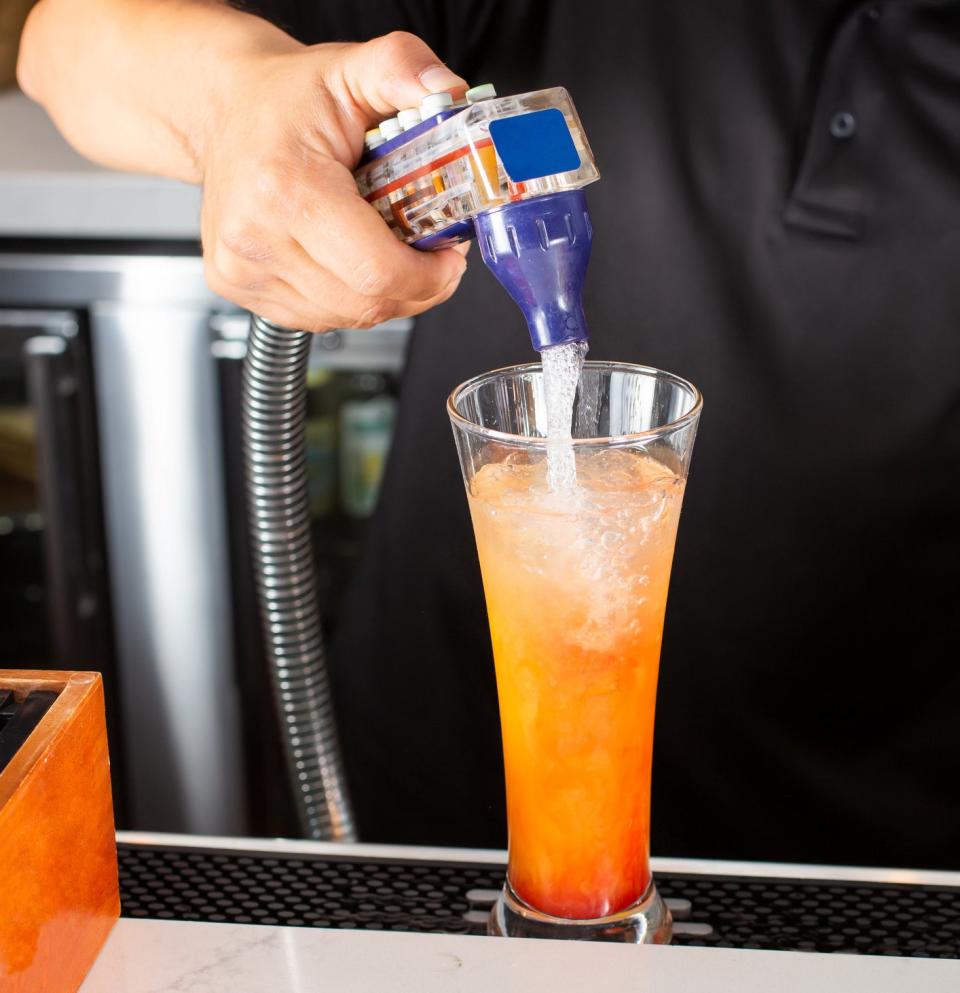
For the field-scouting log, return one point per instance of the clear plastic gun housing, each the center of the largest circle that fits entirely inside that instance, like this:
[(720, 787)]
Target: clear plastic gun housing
[(508, 171)]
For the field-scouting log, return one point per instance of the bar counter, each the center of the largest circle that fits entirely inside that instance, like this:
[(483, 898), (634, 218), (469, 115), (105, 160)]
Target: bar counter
[(243, 915)]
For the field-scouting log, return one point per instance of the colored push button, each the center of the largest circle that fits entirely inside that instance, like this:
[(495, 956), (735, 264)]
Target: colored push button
[(389, 129), (409, 118), (485, 91), (534, 145), (435, 103)]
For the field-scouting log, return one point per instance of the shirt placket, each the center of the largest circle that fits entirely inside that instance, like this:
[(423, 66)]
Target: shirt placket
[(834, 189)]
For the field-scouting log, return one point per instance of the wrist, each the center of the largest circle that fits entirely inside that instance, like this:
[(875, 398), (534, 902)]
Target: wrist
[(234, 51)]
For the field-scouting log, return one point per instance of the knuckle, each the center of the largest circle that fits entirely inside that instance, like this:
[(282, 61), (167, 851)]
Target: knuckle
[(242, 275), (233, 270), (375, 278), (377, 313), (397, 45), (317, 325), (253, 285), (244, 241), (272, 182)]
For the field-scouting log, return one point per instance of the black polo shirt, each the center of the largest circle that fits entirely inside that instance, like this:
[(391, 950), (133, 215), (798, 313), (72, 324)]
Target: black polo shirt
[(779, 221)]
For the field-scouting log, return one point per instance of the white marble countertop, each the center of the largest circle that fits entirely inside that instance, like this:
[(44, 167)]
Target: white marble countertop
[(48, 190), (173, 957)]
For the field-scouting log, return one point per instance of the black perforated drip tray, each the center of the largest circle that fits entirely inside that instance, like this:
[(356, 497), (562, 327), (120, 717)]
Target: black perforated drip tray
[(192, 884)]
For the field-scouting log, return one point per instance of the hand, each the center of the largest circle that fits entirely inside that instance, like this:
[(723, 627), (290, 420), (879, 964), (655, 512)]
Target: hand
[(285, 232)]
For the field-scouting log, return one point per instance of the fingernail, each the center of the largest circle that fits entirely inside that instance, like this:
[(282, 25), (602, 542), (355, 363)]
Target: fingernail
[(438, 79)]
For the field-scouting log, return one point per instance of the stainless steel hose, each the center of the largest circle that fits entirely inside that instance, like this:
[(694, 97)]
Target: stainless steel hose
[(274, 420)]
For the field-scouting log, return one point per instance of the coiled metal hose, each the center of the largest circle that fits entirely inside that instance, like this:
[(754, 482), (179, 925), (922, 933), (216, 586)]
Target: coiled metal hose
[(274, 422)]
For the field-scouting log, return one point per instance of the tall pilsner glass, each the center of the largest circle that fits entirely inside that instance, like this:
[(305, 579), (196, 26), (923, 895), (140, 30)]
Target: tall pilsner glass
[(576, 587)]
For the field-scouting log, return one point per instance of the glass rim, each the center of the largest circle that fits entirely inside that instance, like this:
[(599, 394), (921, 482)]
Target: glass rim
[(539, 441)]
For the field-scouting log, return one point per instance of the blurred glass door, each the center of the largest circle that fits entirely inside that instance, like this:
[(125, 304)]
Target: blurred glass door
[(27, 638), (54, 605)]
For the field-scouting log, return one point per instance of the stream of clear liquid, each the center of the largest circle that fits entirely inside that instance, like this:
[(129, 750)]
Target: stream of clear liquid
[(562, 365)]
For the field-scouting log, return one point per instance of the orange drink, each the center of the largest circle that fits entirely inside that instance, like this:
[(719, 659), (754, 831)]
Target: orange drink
[(576, 588), (575, 575)]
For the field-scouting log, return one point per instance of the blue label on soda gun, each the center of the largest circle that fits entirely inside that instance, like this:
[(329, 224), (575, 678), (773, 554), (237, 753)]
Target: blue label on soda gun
[(534, 145)]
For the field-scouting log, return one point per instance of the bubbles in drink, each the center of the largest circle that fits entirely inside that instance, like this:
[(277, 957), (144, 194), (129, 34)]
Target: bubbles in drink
[(598, 553), (562, 365)]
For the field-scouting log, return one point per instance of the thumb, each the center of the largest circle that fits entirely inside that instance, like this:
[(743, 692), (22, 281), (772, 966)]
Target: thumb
[(396, 71)]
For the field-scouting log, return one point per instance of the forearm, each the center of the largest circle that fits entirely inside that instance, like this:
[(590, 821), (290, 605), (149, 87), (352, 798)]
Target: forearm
[(198, 91), (132, 83)]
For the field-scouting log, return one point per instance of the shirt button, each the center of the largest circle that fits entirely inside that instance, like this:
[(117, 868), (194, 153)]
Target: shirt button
[(843, 125)]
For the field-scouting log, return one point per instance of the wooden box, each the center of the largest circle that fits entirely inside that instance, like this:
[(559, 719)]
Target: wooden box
[(58, 855)]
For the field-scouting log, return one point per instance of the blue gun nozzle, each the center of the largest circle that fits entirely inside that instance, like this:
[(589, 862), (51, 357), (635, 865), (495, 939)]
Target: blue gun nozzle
[(539, 249)]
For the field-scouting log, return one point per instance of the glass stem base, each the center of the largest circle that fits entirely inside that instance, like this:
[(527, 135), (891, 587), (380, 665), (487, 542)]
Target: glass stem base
[(648, 921)]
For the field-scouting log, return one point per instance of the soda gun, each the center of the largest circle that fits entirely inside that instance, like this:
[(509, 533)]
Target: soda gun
[(508, 171)]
